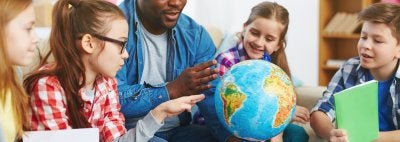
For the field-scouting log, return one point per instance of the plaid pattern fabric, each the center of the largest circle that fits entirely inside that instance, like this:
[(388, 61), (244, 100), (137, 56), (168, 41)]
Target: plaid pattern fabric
[(350, 74), (230, 57), (49, 107)]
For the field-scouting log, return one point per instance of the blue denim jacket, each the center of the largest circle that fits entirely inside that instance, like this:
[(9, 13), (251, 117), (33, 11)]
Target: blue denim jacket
[(188, 44)]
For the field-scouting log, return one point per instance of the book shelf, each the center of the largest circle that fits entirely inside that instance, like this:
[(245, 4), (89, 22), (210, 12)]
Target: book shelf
[(337, 45)]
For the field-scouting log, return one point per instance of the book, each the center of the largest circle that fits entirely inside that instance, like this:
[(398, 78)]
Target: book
[(334, 63), (334, 22), (354, 24), (68, 135), (357, 111), (342, 24)]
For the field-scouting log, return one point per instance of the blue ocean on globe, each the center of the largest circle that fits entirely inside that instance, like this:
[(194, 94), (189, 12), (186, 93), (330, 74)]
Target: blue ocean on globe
[(255, 100)]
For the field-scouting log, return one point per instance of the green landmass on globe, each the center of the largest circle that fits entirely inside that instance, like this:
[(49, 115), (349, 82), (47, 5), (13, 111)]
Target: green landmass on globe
[(232, 99)]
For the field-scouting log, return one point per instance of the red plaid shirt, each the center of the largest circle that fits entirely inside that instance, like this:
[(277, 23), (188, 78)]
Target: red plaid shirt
[(49, 107)]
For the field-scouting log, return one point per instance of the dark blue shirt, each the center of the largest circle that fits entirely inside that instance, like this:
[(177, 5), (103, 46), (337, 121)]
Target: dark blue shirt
[(384, 109)]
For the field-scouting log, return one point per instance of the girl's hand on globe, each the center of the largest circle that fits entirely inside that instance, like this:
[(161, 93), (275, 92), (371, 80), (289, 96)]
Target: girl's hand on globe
[(338, 135), (176, 106), (301, 115)]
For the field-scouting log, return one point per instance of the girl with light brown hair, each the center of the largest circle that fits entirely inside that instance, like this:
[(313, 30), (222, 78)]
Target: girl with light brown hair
[(17, 46), (78, 89), (264, 37)]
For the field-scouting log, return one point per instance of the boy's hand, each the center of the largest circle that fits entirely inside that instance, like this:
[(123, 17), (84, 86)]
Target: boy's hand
[(193, 80), (301, 115), (338, 135)]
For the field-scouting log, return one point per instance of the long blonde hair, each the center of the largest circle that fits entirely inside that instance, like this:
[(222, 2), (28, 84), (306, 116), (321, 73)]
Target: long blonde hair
[(10, 82)]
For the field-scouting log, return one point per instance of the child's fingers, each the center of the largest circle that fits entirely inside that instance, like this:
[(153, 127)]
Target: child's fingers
[(193, 98), (338, 132), (197, 98)]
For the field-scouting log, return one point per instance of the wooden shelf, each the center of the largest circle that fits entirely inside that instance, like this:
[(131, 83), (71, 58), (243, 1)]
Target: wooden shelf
[(330, 68), (340, 35)]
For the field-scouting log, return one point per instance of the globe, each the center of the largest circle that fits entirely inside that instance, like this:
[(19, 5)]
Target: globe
[(255, 100)]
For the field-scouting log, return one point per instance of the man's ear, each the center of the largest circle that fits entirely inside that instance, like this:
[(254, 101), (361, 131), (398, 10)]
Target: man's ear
[(86, 43)]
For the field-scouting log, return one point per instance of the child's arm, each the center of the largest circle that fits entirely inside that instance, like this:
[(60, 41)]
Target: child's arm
[(113, 121), (323, 113), (148, 126), (48, 105), (321, 124)]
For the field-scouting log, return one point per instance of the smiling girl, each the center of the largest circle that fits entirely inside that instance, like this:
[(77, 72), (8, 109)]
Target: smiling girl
[(263, 35)]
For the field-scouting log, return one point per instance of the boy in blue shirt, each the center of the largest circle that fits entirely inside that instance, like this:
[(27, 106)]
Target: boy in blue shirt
[(379, 53)]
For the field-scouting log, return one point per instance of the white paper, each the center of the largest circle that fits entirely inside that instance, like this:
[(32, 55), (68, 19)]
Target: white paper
[(69, 135)]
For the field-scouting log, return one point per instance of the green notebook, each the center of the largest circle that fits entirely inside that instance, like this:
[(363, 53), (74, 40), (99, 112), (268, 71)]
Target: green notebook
[(357, 111)]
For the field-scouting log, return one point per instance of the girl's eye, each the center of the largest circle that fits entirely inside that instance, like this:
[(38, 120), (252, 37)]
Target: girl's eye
[(269, 39), (29, 28), (253, 33)]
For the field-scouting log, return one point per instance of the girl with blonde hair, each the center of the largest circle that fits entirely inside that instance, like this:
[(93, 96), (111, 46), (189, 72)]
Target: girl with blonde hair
[(17, 46)]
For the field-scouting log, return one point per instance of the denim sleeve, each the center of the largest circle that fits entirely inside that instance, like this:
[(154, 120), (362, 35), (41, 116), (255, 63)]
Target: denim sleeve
[(205, 47), (206, 52), (138, 99), (326, 103)]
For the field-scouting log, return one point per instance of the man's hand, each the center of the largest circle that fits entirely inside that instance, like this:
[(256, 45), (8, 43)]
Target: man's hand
[(338, 135), (193, 80), (301, 115)]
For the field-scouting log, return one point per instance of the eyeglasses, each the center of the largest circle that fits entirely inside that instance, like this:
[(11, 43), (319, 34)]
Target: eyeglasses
[(121, 43)]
